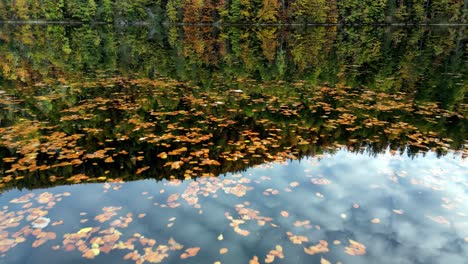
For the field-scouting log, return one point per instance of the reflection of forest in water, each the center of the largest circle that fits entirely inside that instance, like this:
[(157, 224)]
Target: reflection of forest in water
[(85, 102)]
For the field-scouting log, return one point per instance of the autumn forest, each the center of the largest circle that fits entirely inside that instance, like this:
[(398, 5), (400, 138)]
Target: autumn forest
[(239, 11)]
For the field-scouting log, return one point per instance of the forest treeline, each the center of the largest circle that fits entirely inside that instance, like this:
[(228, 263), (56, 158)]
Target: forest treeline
[(239, 11)]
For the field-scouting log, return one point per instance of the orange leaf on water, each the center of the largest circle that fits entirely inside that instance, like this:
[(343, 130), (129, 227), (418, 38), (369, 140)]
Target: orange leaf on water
[(190, 252)]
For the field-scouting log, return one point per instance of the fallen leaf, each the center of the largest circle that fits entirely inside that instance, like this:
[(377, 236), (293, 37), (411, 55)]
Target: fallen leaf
[(85, 230), (190, 252), (254, 260), (355, 248), (321, 247)]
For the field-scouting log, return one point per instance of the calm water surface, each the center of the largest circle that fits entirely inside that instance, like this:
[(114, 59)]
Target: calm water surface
[(233, 145)]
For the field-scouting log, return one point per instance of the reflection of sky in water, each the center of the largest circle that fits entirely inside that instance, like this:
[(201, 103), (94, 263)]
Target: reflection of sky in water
[(378, 185)]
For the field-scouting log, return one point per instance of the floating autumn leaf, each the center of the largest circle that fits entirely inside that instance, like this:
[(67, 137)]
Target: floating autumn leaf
[(277, 252), (296, 239), (305, 223), (140, 170), (220, 237), (320, 181), (321, 247), (375, 220), (109, 212), (45, 197), (190, 252), (41, 222), (173, 245), (141, 215), (162, 155), (84, 230), (60, 222), (173, 197), (91, 253), (294, 184), (23, 199), (355, 248), (254, 260), (223, 251)]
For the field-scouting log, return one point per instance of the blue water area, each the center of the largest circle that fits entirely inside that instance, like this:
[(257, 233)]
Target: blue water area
[(392, 207)]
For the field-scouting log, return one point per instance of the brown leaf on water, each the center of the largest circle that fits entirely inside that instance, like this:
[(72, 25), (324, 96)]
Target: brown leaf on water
[(297, 239), (324, 261), (130, 255), (90, 253), (190, 252), (223, 251), (321, 247), (355, 248), (305, 223), (39, 242), (173, 197), (176, 165), (60, 222), (69, 247), (254, 260), (140, 170), (241, 231), (162, 155), (141, 215), (375, 221), (277, 252), (284, 214), (173, 245)]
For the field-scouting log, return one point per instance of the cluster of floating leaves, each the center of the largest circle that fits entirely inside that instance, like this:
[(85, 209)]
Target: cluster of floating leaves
[(28, 218), (130, 127)]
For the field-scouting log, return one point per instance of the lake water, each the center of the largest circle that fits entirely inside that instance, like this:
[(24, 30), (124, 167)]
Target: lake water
[(233, 145)]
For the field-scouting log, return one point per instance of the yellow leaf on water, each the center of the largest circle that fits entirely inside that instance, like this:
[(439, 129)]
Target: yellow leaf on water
[(85, 230), (324, 261)]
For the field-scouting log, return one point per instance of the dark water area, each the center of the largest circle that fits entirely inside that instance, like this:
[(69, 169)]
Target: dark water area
[(233, 145)]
